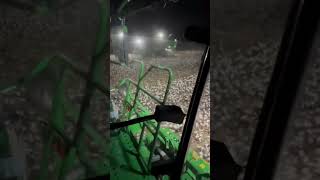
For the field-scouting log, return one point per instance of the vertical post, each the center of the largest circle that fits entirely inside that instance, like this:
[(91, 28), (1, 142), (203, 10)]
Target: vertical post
[(292, 59), (191, 116), (153, 145)]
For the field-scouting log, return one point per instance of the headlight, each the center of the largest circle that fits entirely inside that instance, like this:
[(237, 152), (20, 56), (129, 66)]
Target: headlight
[(121, 35), (138, 41), (160, 35)]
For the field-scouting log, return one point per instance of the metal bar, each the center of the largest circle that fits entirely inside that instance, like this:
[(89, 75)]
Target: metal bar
[(153, 145), (146, 92), (282, 91), (168, 82), (141, 72), (141, 136), (141, 76), (138, 86), (130, 122), (191, 116)]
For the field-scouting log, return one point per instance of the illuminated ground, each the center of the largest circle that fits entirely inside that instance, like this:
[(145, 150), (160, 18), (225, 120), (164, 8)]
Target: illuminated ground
[(185, 65)]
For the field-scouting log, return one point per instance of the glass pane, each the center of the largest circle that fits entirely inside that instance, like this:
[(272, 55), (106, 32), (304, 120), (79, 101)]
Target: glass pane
[(246, 37), (299, 158), (152, 36)]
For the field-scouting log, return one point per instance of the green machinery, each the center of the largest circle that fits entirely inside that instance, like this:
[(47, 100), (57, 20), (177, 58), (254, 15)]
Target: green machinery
[(148, 142), (131, 152)]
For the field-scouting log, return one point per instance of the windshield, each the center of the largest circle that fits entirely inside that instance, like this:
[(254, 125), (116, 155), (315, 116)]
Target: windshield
[(153, 40)]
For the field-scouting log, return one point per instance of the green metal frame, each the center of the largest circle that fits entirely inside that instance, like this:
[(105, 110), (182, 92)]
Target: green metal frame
[(137, 105), (196, 168)]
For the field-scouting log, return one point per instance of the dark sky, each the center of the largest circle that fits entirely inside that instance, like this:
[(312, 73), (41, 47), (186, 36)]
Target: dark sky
[(172, 19)]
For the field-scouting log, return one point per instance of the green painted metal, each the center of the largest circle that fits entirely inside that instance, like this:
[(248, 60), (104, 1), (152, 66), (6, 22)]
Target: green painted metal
[(145, 136), (125, 152)]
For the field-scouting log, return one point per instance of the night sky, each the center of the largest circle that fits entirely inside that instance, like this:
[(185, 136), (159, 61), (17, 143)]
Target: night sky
[(174, 18)]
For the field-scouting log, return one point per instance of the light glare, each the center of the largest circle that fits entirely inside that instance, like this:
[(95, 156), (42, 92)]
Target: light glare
[(160, 35), (138, 41), (121, 35)]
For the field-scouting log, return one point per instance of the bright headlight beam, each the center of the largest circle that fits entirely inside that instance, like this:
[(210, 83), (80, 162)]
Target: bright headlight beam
[(138, 41), (121, 35), (160, 35)]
